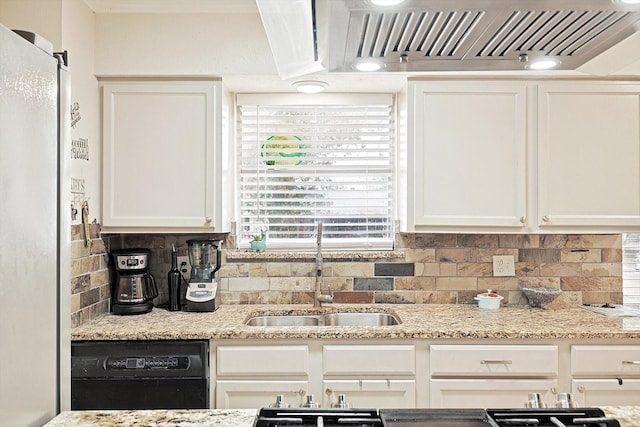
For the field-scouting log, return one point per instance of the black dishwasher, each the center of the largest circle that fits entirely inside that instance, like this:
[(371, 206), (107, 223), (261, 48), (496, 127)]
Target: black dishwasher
[(140, 374)]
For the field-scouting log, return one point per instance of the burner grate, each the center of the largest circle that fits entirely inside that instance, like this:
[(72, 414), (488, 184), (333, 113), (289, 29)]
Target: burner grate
[(579, 417)]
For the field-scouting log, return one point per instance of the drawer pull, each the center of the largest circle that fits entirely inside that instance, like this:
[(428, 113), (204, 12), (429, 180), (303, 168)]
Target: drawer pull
[(496, 362), (631, 362)]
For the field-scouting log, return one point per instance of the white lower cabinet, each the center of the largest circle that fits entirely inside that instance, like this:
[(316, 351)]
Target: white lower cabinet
[(605, 374), (371, 393), (252, 376), (606, 392), (370, 376), (486, 393), (419, 374), (242, 394), (481, 376)]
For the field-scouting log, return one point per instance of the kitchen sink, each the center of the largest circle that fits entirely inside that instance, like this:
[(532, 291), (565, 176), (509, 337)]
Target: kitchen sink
[(284, 320), (360, 319), (331, 319)]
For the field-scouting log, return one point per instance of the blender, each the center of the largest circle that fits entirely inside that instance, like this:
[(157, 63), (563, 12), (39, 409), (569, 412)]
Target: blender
[(204, 257)]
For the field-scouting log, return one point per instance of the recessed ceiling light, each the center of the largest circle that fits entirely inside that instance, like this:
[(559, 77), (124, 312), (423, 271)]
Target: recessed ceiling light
[(543, 64), (310, 86), (631, 1), (386, 2), (368, 65)]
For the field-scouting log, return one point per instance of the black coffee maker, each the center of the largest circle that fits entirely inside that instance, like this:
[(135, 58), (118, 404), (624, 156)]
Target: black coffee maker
[(134, 287)]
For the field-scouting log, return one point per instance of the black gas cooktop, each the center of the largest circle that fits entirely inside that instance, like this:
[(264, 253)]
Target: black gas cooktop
[(345, 417)]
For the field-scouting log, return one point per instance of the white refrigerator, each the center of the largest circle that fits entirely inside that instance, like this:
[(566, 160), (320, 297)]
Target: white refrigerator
[(35, 236)]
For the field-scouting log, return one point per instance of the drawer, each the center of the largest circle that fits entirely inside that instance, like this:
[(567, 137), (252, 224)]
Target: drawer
[(494, 360), (619, 360), (369, 360), (263, 360)]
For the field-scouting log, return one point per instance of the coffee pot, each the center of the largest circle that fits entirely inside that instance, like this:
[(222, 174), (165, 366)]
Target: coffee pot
[(134, 287)]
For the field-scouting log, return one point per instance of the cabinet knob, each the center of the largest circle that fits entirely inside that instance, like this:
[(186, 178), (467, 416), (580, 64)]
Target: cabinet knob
[(545, 218), (523, 220), (207, 220)]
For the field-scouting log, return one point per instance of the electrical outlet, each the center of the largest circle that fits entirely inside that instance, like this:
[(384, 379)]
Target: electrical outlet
[(503, 265), (184, 266)]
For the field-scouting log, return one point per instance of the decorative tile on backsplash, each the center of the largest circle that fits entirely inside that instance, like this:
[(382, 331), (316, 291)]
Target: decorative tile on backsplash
[(372, 284), (394, 269)]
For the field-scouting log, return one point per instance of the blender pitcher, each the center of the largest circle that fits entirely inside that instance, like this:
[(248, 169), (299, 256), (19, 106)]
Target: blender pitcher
[(205, 258)]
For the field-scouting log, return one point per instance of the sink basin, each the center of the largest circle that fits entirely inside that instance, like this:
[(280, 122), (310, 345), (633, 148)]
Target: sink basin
[(283, 321), (332, 319), (360, 319)]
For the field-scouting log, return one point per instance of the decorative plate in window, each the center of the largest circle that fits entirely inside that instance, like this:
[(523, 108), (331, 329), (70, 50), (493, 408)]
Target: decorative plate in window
[(281, 153)]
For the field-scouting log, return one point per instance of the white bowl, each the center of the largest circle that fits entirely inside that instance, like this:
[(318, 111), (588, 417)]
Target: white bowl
[(489, 300)]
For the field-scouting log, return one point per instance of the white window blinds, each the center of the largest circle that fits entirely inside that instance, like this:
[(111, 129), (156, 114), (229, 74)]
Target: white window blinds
[(305, 160), (631, 268)]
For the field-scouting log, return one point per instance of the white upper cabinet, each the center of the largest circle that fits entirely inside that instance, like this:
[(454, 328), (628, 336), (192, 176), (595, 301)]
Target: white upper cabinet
[(162, 155), (589, 154), (467, 154)]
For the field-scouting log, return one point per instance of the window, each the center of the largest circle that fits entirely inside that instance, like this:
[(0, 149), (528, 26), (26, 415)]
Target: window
[(326, 158), (631, 268)]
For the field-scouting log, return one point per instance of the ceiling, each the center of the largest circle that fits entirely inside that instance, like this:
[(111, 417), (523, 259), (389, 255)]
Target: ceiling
[(497, 43)]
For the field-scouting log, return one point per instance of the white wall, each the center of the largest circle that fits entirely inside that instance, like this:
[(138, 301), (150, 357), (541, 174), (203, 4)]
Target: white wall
[(78, 39), (205, 44), (39, 16)]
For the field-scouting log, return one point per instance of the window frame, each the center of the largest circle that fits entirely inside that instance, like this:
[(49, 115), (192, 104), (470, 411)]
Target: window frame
[(334, 100)]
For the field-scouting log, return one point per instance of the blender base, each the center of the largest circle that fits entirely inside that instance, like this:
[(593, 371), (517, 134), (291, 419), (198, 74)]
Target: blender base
[(201, 306)]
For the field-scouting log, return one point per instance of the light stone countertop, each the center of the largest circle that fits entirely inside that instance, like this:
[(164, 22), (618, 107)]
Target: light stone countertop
[(424, 321), (156, 417), (629, 416)]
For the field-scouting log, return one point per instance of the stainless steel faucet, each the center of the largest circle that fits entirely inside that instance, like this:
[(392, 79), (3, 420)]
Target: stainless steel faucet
[(320, 298)]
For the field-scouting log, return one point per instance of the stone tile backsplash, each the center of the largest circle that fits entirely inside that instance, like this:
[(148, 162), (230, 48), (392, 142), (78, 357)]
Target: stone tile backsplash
[(90, 279), (436, 269), (424, 268)]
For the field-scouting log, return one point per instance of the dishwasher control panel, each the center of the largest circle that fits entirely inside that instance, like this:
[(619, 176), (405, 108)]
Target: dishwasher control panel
[(158, 362)]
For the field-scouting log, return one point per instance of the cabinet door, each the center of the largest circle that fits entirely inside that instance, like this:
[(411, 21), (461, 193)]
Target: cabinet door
[(160, 148), (467, 154), (589, 154), (606, 392), (371, 393), (239, 394), (487, 393)]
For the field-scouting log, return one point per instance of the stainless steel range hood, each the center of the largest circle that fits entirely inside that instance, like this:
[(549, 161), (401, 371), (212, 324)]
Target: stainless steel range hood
[(470, 35)]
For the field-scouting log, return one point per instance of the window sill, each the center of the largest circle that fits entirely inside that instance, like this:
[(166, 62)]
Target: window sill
[(246, 256)]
